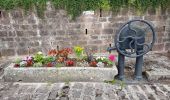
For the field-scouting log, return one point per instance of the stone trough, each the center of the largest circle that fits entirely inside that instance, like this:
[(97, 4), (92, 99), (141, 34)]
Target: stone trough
[(63, 74)]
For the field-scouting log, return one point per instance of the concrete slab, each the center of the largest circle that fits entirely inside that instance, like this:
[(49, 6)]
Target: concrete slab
[(63, 74), (157, 74)]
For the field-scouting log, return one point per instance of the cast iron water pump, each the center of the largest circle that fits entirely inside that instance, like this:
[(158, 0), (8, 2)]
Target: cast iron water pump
[(134, 39)]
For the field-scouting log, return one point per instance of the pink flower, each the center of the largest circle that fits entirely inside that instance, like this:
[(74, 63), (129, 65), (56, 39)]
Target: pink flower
[(112, 57)]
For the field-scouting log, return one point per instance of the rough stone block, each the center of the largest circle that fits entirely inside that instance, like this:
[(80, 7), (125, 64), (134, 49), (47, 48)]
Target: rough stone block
[(158, 47), (103, 19), (60, 32), (31, 33), (5, 21), (107, 31), (3, 33), (17, 14), (159, 73), (94, 37), (25, 27), (7, 39), (22, 51), (11, 34), (96, 26), (63, 74), (8, 52), (31, 21), (74, 25), (33, 44), (167, 46), (51, 14), (95, 42), (20, 33), (12, 44), (151, 11), (44, 33), (82, 43)]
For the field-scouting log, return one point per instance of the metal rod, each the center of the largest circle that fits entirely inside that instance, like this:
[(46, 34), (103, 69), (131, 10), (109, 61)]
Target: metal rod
[(121, 66)]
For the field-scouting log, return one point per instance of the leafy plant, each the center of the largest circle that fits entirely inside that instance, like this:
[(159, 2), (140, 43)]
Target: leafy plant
[(79, 51), (122, 85), (48, 59), (104, 60), (75, 7), (58, 65), (39, 58), (18, 60), (110, 82), (38, 64), (70, 63)]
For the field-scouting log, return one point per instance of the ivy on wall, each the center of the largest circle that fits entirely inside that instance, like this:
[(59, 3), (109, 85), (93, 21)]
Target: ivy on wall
[(76, 7)]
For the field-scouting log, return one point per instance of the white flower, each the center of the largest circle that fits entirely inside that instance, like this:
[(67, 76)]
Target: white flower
[(98, 57), (40, 53), (100, 64), (23, 63)]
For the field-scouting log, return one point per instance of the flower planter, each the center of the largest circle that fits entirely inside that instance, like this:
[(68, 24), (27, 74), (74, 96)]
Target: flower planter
[(62, 74)]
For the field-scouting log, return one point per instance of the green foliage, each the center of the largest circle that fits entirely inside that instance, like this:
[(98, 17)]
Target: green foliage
[(39, 58), (79, 51), (111, 82), (38, 64), (104, 60), (18, 60), (59, 65), (76, 7), (48, 59), (121, 83)]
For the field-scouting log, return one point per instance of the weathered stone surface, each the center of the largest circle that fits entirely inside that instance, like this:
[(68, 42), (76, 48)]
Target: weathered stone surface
[(57, 26), (59, 74), (107, 31), (22, 51), (3, 33), (41, 91), (8, 52), (77, 86), (157, 74)]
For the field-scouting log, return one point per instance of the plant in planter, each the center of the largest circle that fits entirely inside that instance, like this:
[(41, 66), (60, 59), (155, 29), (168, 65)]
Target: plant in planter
[(29, 61), (79, 52), (107, 61), (58, 65), (64, 53), (39, 57), (17, 62), (53, 52), (100, 64), (23, 64), (112, 58), (60, 60), (49, 61), (93, 64), (37, 64), (69, 63)]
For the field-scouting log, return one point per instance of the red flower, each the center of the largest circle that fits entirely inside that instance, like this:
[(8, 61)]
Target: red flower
[(49, 64), (93, 64), (29, 63), (112, 57), (70, 63), (16, 65), (52, 52)]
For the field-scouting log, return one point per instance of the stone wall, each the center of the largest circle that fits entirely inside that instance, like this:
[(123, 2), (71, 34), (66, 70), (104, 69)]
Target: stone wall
[(20, 33)]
